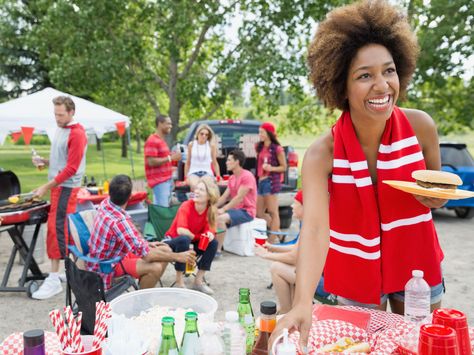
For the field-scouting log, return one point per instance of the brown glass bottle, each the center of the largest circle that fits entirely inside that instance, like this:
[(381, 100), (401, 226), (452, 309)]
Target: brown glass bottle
[(267, 324)]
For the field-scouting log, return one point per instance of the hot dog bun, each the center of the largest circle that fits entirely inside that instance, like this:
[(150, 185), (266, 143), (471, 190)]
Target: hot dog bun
[(345, 345), (435, 178)]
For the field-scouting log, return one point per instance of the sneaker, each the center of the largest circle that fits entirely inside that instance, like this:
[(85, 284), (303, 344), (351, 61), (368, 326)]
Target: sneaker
[(218, 255), (62, 277), (203, 288), (180, 286), (49, 288)]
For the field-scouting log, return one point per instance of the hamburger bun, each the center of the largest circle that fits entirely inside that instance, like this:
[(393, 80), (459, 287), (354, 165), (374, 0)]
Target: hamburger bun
[(436, 179), (345, 345)]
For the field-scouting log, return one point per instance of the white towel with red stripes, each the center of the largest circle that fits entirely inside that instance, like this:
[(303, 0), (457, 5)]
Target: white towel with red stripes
[(378, 234)]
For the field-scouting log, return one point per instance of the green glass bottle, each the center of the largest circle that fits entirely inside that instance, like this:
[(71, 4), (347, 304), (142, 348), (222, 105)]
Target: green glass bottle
[(189, 344), (245, 309), (168, 345)]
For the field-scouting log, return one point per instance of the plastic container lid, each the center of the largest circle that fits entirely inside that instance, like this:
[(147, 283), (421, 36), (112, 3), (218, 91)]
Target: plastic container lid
[(33, 338), (417, 273), (268, 307), (231, 316)]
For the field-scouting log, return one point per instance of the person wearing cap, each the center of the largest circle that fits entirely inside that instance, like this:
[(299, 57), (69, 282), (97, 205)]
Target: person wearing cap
[(283, 267), (271, 164)]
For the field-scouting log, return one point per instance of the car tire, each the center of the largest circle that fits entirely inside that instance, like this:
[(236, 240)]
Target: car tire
[(464, 212)]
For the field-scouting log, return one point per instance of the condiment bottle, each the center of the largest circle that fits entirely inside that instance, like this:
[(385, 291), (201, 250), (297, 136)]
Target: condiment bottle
[(33, 342), (267, 325)]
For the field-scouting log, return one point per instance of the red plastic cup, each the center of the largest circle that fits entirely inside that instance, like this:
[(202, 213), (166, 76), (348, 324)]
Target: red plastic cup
[(458, 321), (87, 341), (260, 239), (203, 242), (436, 339), (225, 177)]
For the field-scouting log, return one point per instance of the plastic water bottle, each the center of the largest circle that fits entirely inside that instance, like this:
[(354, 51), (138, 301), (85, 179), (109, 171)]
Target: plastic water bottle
[(210, 342), (417, 298), (233, 335)]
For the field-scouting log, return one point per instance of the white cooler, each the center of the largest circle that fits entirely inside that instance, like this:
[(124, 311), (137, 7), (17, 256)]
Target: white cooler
[(240, 239)]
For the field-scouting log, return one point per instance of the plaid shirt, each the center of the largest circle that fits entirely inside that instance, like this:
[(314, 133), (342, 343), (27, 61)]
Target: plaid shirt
[(113, 234), (157, 148)]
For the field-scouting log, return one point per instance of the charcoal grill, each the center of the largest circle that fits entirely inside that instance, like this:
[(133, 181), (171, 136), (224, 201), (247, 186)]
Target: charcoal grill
[(14, 218)]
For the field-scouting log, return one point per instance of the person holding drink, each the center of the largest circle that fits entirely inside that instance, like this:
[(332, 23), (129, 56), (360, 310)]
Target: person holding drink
[(367, 235), (202, 156), (195, 223)]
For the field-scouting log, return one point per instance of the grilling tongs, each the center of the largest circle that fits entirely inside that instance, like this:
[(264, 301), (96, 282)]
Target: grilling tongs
[(13, 199)]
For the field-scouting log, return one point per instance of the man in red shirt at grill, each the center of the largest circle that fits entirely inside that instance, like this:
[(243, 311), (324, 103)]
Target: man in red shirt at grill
[(67, 164), (114, 234), (158, 158)]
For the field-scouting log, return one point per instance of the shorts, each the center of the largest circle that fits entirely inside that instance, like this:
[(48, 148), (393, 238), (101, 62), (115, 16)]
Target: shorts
[(200, 174), (63, 202), (238, 216), (436, 296), (264, 187), (162, 193), (128, 266)]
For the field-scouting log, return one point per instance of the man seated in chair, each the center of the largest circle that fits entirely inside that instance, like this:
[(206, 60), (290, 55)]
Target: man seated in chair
[(238, 203), (114, 234)]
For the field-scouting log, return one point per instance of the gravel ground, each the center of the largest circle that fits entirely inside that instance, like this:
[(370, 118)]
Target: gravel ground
[(20, 313)]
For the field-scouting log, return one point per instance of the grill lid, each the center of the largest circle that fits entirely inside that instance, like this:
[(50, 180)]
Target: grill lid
[(9, 184)]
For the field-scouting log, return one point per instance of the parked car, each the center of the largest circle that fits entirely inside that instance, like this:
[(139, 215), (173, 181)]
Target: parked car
[(456, 159), (234, 134)]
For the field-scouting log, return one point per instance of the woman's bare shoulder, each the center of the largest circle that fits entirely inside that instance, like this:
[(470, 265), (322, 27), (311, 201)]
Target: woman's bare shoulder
[(418, 119), (320, 152)]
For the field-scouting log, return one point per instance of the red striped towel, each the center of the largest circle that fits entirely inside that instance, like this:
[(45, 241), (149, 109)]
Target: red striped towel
[(378, 234)]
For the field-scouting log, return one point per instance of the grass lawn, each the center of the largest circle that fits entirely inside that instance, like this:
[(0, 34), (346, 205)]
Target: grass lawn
[(18, 159)]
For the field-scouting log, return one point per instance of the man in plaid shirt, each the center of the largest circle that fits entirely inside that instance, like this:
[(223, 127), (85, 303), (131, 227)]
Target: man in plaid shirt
[(114, 234), (158, 160)]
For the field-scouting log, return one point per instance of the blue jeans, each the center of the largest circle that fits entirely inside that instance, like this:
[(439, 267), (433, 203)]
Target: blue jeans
[(238, 216), (162, 193)]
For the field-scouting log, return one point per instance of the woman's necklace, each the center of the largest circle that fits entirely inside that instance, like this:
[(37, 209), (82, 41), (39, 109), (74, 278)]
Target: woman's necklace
[(198, 155)]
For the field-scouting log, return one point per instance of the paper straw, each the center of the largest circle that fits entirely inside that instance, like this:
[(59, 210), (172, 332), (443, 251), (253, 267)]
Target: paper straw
[(78, 325), (102, 326), (60, 327), (98, 313), (74, 332)]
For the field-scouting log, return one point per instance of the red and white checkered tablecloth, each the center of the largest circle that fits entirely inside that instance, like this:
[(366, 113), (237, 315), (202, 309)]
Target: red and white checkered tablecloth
[(13, 344), (383, 334)]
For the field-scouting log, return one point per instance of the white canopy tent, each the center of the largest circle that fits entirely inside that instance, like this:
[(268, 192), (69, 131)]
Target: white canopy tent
[(37, 111)]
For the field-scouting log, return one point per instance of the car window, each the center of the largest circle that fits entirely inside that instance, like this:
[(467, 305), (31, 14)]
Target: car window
[(230, 135), (456, 157)]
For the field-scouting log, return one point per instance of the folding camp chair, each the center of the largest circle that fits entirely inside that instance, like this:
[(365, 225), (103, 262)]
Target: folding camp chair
[(88, 286), (159, 221)]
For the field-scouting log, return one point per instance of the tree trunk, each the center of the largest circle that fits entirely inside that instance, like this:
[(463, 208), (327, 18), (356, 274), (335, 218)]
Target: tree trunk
[(138, 140), (99, 143), (124, 146), (174, 107)]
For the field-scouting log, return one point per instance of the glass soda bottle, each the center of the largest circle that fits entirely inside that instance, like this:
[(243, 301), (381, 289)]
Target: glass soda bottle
[(417, 298), (36, 159), (168, 345), (268, 311), (245, 309), (190, 268), (189, 344)]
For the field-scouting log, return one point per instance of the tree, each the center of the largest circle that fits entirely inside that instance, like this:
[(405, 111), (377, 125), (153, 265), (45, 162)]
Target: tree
[(173, 55)]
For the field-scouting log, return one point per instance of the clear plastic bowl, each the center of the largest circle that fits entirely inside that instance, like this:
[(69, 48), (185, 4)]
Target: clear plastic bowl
[(134, 303), (124, 326)]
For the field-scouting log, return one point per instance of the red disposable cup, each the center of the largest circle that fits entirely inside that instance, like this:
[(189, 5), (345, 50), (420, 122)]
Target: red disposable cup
[(436, 339), (458, 321), (87, 341), (261, 239), (203, 242), (225, 177)]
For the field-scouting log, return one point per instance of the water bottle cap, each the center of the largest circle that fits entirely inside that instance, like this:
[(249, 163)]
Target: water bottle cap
[(33, 338), (231, 316), (417, 273)]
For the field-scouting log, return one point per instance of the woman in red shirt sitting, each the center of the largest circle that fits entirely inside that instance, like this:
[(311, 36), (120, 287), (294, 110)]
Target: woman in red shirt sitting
[(196, 219)]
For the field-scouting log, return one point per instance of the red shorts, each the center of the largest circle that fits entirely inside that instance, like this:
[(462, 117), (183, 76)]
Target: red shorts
[(129, 263), (63, 202)]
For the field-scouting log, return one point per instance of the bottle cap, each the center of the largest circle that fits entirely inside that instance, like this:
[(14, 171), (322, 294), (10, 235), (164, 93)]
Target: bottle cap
[(33, 338), (417, 273), (231, 316), (190, 315), (167, 320), (268, 307), (286, 348)]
